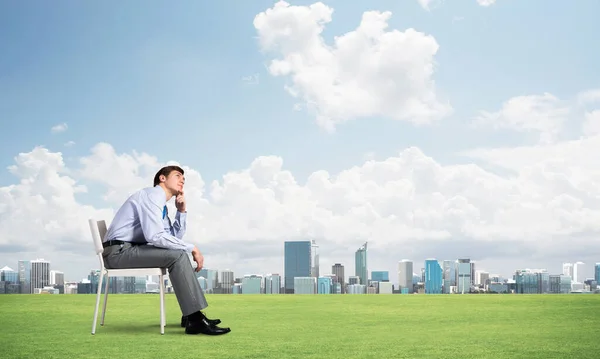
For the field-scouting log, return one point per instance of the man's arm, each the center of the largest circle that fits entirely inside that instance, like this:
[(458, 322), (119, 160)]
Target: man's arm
[(179, 225), (152, 226)]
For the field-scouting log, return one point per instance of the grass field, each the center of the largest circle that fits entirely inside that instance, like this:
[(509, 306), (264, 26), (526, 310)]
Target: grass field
[(303, 326)]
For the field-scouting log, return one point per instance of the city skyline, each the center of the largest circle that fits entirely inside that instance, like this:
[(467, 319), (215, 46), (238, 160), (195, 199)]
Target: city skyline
[(36, 277), (460, 130), (578, 270)]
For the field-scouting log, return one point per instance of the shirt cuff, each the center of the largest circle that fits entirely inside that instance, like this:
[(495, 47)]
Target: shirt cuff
[(182, 215), (189, 247)]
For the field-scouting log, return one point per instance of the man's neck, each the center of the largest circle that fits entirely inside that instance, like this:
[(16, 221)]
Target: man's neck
[(168, 193)]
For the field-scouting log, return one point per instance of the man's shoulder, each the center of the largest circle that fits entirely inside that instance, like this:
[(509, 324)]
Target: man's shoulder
[(155, 194)]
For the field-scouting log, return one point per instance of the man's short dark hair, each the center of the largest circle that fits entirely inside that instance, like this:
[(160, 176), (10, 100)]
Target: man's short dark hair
[(166, 171)]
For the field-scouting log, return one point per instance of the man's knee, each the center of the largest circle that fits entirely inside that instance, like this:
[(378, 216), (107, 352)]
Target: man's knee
[(177, 255)]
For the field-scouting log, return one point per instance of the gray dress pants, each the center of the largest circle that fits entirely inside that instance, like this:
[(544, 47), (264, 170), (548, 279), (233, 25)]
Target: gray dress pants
[(185, 284)]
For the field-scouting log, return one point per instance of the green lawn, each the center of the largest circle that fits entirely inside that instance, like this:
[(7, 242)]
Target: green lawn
[(303, 326)]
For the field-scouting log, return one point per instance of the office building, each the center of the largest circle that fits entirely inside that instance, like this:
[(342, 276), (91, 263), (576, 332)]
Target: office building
[(433, 277), (40, 274), (559, 284), (314, 259), (272, 284), (529, 281), (449, 275), (568, 270), (297, 262), (463, 274), (24, 269), (252, 284), (481, 278), (57, 277), (338, 271), (305, 285), (227, 280), (324, 285), (385, 288), (405, 275), (357, 289), (380, 276), (9, 275), (360, 260), (578, 273)]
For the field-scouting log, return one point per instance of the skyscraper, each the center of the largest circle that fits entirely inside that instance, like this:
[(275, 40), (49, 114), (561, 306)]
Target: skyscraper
[(597, 273), (40, 273), (24, 270), (568, 270), (448, 276), (314, 259), (578, 272), (360, 268), (297, 262), (405, 275), (433, 277), (463, 275), (338, 270), (226, 281)]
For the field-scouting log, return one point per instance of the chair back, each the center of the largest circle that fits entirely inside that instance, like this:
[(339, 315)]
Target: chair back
[(98, 229)]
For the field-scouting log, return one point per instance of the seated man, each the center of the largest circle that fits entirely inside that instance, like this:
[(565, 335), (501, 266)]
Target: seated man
[(141, 235)]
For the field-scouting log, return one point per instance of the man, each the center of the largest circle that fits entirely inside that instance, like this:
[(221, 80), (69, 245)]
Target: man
[(141, 235)]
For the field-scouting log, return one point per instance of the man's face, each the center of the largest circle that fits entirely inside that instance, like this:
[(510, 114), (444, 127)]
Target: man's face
[(175, 182)]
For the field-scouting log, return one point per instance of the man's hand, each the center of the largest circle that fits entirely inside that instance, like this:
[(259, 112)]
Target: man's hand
[(198, 258), (180, 202)]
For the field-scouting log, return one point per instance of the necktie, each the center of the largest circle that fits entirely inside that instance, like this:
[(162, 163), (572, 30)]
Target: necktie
[(164, 212)]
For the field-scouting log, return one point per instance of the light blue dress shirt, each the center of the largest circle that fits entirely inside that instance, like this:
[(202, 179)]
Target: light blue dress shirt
[(142, 219)]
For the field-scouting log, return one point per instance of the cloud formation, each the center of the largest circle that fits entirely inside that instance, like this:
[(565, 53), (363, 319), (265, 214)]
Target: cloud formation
[(486, 2), (370, 71), (432, 4), (543, 114), (542, 204), (62, 127)]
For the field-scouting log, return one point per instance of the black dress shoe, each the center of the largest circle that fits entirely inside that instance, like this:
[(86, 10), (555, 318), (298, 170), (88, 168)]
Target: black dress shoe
[(184, 320), (204, 327)]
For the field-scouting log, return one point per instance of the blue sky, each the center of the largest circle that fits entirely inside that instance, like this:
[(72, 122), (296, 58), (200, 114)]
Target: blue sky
[(112, 72), (167, 79)]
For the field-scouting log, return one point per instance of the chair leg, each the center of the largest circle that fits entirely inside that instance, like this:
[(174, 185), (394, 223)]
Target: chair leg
[(98, 292), (162, 304), (105, 299)]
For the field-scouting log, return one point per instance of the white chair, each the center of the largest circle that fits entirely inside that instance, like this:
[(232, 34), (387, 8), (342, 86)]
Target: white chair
[(98, 229)]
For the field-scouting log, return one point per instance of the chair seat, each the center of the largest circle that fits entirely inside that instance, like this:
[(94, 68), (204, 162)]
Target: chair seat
[(135, 272)]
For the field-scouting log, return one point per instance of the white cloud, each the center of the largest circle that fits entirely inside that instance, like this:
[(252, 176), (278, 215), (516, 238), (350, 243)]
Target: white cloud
[(59, 128), (589, 96), (543, 114), (370, 71), (70, 144), (409, 205), (121, 174), (40, 211), (430, 4), (486, 2), (591, 125), (253, 79)]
